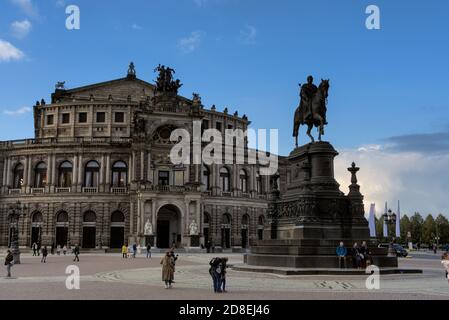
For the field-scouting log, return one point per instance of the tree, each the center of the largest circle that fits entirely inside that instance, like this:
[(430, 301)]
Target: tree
[(405, 227), (416, 222), (429, 229), (442, 226)]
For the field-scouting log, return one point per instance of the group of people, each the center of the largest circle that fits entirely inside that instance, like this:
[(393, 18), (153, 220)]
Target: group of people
[(361, 256), (37, 250), (128, 250)]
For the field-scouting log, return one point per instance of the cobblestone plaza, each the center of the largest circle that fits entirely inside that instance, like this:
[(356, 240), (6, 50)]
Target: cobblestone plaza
[(109, 276)]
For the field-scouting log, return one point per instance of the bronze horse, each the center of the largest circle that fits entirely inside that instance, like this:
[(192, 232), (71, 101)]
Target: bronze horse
[(318, 113)]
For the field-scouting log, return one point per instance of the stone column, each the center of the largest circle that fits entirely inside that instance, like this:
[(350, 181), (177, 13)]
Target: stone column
[(131, 217), (130, 166), (149, 176), (25, 174), (53, 172), (154, 219), (139, 213), (80, 172), (74, 172), (108, 172), (8, 173), (142, 165), (198, 216), (5, 164), (49, 172), (133, 172), (102, 169), (29, 173)]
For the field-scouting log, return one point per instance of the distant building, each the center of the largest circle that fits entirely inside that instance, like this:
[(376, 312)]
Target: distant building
[(98, 170)]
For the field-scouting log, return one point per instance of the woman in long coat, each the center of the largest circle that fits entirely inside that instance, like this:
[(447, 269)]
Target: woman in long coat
[(168, 269)]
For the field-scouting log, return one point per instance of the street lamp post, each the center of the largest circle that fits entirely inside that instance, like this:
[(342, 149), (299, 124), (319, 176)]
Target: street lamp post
[(16, 211), (390, 220)]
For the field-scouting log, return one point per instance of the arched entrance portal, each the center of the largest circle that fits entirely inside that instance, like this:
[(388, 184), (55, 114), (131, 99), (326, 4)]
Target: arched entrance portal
[(89, 229), (62, 229), (168, 230), (36, 227), (117, 229)]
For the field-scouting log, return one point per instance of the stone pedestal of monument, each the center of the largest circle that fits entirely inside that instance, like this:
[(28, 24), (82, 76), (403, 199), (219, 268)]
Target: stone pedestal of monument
[(194, 240), (308, 222)]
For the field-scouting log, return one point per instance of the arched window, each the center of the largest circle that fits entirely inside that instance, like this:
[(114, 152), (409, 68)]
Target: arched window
[(224, 179), (62, 217), (40, 175), (245, 220), (261, 221), (119, 174), (89, 216), (65, 174), (91, 174), (226, 219), (258, 183), (37, 218), (117, 216), (243, 181), (206, 178), (206, 218), (18, 176)]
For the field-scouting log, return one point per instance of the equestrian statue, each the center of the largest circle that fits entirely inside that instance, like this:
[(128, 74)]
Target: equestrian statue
[(312, 108)]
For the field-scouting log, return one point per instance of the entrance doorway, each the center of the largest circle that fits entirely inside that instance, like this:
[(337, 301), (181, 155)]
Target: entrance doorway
[(226, 238), (89, 237), (62, 229), (117, 230), (244, 238), (89, 229), (36, 225), (168, 228)]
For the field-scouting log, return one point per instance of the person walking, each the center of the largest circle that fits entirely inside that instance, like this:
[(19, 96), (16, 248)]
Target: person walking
[(435, 248), (224, 266), (215, 273), (38, 248), (58, 250), (445, 263), (34, 247), (148, 251), (125, 251), (341, 255), (9, 261), (53, 248), (44, 254), (134, 250), (64, 250), (76, 251), (168, 269)]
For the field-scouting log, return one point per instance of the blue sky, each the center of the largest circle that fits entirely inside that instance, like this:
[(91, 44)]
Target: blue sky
[(389, 88)]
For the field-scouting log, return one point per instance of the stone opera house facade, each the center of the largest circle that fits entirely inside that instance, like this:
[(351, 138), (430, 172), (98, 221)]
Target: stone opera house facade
[(98, 172)]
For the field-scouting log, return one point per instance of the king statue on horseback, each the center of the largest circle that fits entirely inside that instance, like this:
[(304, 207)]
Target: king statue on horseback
[(312, 108)]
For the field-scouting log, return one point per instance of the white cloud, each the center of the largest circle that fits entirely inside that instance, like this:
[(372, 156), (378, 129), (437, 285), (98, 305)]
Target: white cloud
[(249, 34), (135, 26), (27, 7), (419, 180), (8, 52), (190, 43), (18, 112), (21, 29)]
